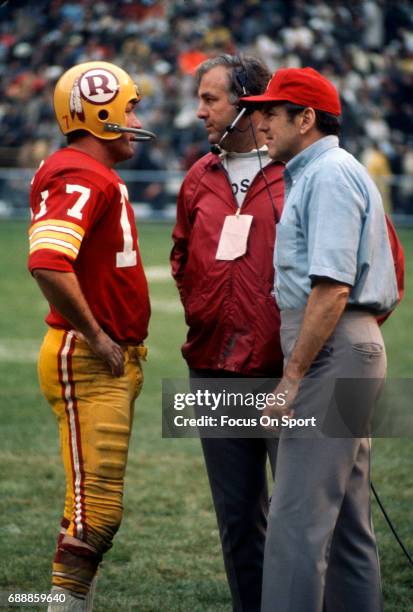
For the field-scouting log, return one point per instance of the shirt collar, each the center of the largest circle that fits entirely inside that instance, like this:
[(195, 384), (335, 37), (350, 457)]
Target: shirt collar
[(252, 153), (296, 165)]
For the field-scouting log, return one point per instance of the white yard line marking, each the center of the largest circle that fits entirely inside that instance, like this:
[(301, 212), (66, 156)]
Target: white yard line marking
[(26, 350), (158, 273), (172, 306), (19, 351)]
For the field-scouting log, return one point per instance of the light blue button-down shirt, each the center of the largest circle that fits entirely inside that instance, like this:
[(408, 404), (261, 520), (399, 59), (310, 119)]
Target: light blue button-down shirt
[(332, 225)]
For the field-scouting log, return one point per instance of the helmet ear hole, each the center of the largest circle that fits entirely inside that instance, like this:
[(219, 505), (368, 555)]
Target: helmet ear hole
[(103, 114)]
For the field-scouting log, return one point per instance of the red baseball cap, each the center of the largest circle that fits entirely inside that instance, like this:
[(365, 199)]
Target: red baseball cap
[(303, 86)]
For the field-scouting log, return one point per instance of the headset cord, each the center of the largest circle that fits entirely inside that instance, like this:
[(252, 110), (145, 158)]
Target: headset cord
[(390, 524), (274, 209)]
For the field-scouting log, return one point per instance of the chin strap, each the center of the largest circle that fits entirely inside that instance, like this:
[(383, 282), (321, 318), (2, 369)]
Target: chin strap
[(140, 134)]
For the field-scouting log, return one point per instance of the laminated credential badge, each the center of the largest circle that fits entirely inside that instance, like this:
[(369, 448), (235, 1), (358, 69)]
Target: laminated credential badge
[(234, 237)]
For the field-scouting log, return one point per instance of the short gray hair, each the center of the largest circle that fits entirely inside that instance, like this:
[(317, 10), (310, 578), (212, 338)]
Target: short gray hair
[(243, 71)]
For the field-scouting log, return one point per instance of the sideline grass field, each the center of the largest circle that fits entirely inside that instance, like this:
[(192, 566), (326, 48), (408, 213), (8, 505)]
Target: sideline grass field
[(166, 555)]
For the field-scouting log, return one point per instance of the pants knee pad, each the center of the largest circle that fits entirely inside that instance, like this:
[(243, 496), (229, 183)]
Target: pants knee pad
[(100, 533), (102, 524)]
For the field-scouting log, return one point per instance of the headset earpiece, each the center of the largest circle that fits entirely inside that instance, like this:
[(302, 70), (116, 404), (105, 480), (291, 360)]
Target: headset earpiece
[(240, 79)]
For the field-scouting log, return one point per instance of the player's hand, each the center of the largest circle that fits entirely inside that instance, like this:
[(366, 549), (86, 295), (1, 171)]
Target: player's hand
[(287, 389), (109, 351)]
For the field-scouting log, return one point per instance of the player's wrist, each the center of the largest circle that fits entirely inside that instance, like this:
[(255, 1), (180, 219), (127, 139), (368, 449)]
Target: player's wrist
[(94, 334)]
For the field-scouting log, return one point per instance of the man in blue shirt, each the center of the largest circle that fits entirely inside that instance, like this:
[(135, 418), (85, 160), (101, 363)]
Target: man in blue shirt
[(334, 275)]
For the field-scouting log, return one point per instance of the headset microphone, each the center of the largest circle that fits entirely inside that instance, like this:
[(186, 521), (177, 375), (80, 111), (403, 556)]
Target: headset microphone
[(216, 148)]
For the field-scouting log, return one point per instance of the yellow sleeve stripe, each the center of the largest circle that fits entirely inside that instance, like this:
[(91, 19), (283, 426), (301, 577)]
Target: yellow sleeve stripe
[(53, 247), (56, 228), (57, 224), (51, 243), (44, 235)]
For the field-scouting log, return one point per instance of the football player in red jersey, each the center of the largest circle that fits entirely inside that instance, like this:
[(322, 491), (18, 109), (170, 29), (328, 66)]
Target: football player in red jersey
[(84, 255)]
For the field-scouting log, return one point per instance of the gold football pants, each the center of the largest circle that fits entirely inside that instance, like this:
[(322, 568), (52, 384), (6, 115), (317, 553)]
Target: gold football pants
[(94, 410)]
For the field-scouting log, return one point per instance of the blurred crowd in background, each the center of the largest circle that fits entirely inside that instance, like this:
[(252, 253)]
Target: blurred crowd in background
[(364, 46)]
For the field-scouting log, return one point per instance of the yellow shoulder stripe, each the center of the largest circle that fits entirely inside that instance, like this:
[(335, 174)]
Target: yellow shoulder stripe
[(67, 236)]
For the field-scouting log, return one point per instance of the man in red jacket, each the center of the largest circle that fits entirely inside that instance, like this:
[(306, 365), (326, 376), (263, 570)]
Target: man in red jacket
[(225, 286)]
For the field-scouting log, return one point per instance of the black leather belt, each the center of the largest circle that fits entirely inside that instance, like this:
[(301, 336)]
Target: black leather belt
[(359, 307)]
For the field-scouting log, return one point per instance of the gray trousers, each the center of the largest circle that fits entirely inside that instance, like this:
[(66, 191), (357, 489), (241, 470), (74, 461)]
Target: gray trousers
[(320, 552)]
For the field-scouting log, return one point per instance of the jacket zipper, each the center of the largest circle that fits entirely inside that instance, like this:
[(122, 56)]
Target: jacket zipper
[(225, 351)]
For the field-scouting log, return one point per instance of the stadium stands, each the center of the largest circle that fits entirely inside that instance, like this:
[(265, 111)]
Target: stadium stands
[(365, 46)]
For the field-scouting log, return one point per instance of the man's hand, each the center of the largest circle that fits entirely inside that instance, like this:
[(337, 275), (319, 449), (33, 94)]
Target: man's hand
[(324, 308), (105, 348), (288, 389)]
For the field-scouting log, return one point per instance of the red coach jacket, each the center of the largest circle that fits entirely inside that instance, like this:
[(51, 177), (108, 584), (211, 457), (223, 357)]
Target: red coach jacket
[(229, 307), (398, 258)]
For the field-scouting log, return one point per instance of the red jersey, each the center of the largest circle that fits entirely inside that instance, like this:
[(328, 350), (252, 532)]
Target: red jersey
[(82, 222)]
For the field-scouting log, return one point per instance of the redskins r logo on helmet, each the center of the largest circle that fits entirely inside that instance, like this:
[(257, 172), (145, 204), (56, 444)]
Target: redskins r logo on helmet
[(92, 95), (98, 86)]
